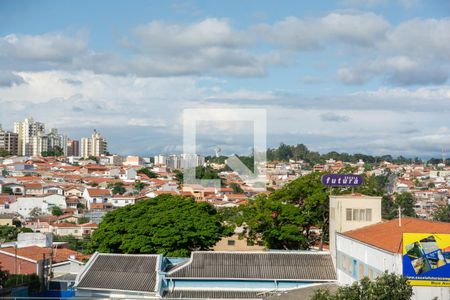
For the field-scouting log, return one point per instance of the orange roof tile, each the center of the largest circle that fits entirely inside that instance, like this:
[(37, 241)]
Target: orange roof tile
[(388, 235), (98, 192), (36, 253)]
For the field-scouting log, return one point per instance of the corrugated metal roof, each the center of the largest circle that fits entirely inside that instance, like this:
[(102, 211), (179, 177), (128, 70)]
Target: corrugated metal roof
[(263, 265), (121, 272)]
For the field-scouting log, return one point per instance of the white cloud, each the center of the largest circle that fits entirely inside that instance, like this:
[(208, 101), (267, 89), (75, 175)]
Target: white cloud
[(49, 47), (8, 79)]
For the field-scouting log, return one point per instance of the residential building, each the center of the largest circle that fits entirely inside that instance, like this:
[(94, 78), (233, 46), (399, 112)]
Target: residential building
[(9, 141), (96, 196), (76, 230), (26, 131), (93, 146), (25, 205), (73, 148), (133, 160), (371, 250)]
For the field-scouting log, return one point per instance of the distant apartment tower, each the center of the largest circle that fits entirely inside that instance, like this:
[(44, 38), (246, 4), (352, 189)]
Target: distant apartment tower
[(73, 148), (160, 160), (93, 146), (9, 141), (27, 131)]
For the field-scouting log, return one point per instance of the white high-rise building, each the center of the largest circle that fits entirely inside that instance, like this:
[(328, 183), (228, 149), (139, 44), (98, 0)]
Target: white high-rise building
[(26, 131), (93, 146)]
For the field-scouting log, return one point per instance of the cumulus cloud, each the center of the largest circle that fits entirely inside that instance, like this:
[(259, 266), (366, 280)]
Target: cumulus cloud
[(305, 34), (49, 47), (9, 79)]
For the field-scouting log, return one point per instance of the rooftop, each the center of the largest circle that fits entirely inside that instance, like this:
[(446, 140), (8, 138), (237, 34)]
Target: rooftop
[(121, 272), (388, 235), (260, 265)]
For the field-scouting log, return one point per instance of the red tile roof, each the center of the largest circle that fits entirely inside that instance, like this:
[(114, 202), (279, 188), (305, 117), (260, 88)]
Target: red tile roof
[(388, 235), (98, 192)]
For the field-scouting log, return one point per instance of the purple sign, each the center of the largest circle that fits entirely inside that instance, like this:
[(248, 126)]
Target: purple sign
[(342, 180)]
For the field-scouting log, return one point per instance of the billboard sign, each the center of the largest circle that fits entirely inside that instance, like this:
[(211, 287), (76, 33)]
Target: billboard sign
[(344, 180), (426, 259)]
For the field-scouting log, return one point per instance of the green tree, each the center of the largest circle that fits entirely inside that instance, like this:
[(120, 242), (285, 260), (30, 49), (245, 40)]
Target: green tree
[(442, 213), (311, 199), (83, 220), (139, 185), (386, 286), (118, 188), (4, 152), (147, 172), (170, 225), (406, 202), (7, 190), (236, 188), (9, 233), (279, 224), (389, 210), (389, 206), (57, 211)]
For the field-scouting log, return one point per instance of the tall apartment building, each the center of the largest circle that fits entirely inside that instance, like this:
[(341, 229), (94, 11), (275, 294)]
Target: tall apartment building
[(56, 139), (93, 146), (9, 141), (73, 148), (27, 131)]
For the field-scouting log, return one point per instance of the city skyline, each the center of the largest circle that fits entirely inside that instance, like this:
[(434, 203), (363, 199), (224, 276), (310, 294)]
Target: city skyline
[(347, 76)]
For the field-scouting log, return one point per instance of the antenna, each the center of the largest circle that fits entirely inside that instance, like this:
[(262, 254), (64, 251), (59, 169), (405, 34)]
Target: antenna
[(443, 155)]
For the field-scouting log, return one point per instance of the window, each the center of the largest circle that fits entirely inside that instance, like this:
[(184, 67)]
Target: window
[(356, 215), (370, 273), (75, 231), (231, 242), (6, 206), (361, 271), (368, 214), (348, 214), (344, 263), (362, 214)]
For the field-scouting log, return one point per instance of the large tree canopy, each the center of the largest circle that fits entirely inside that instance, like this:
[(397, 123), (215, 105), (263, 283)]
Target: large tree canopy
[(170, 225)]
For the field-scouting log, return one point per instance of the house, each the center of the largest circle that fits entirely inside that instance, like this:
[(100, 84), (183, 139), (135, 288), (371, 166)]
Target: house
[(29, 260), (7, 219), (17, 188), (128, 174), (53, 189), (33, 189), (73, 191), (94, 196), (5, 203), (120, 201), (24, 205), (76, 230), (127, 276)]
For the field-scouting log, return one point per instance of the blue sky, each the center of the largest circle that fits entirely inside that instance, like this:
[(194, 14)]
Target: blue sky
[(357, 76)]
